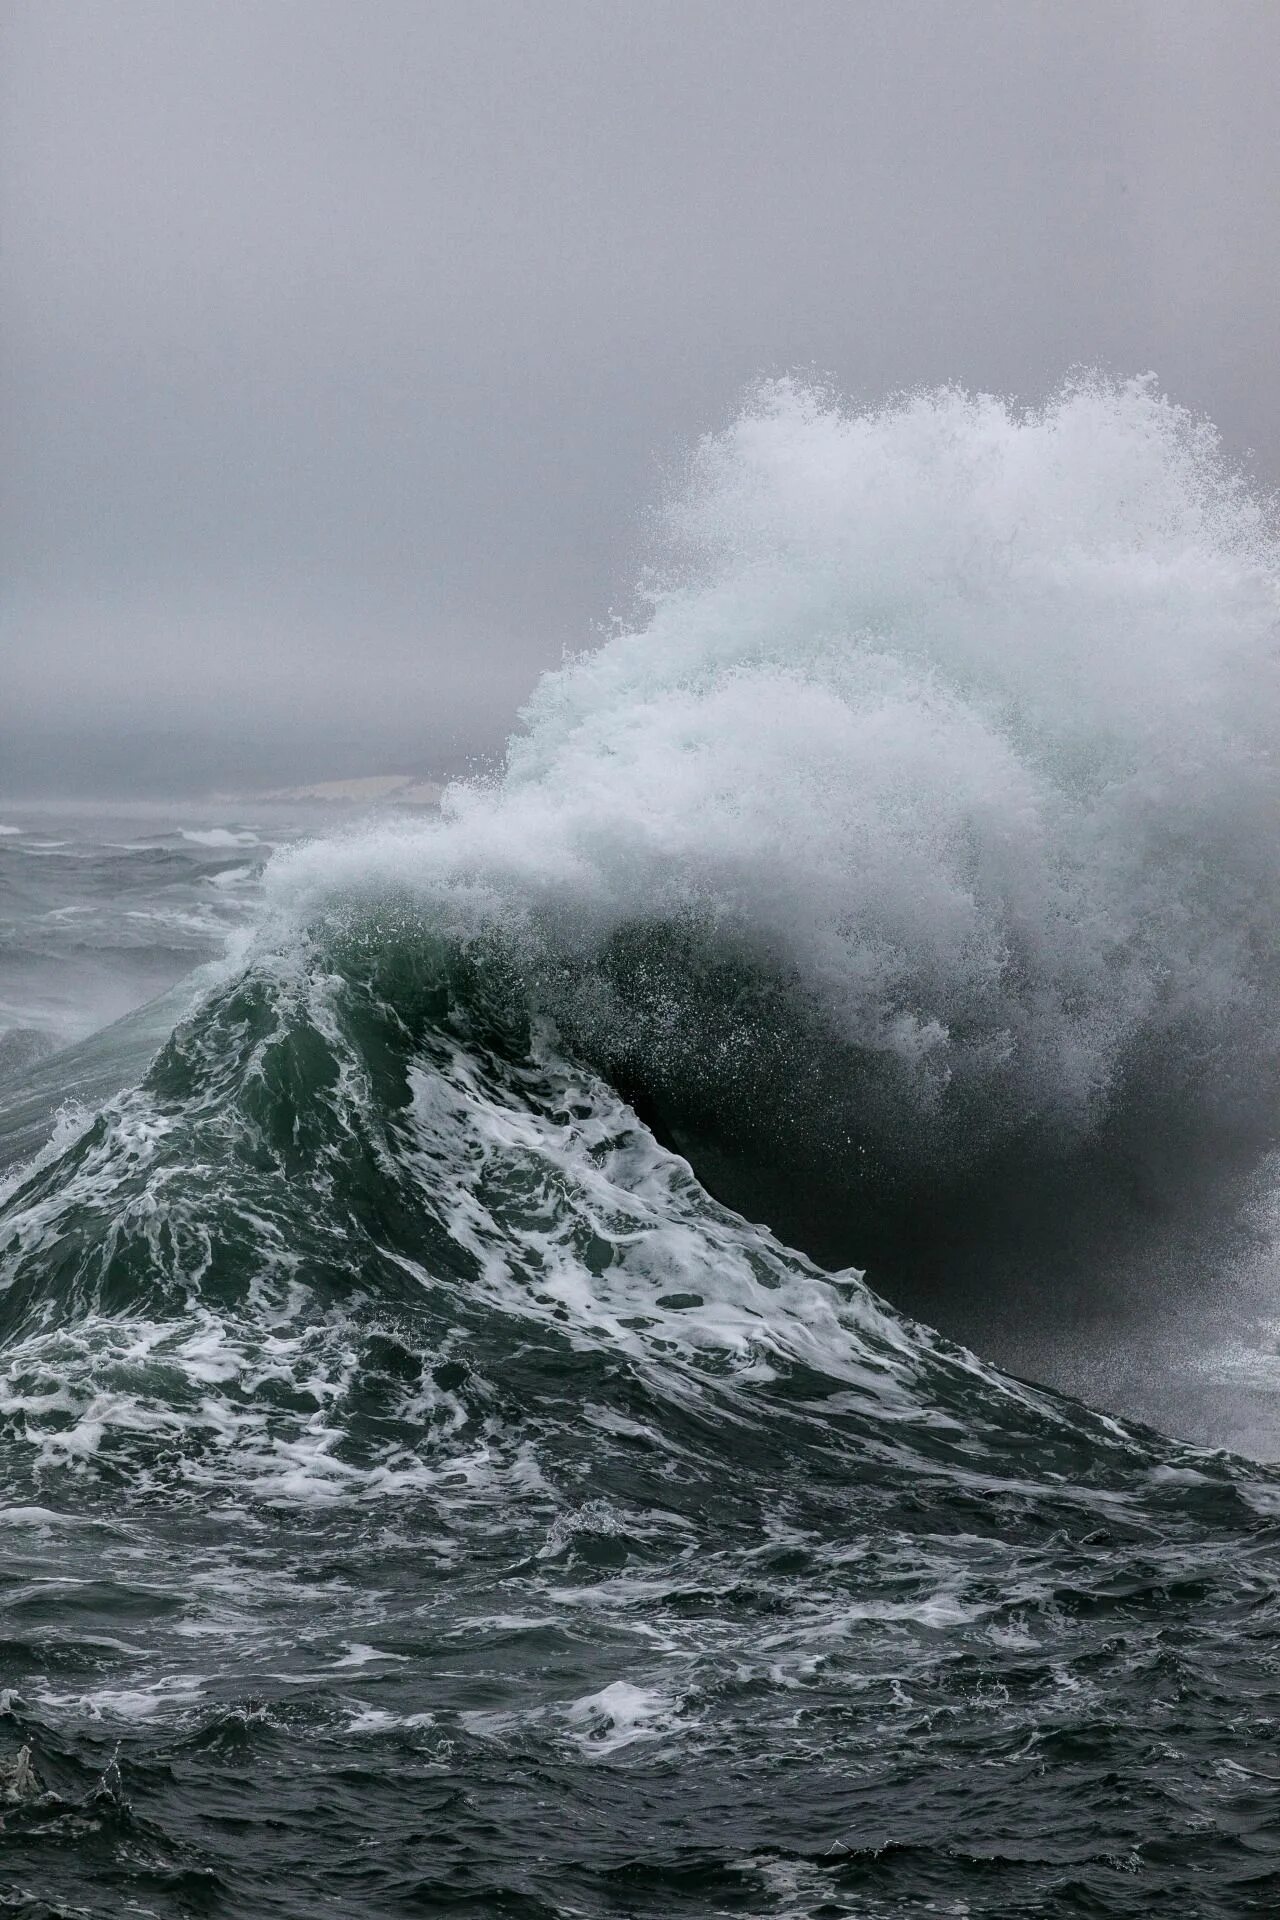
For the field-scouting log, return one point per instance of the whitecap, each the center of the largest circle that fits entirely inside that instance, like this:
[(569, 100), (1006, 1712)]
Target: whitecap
[(219, 837), (618, 1716)]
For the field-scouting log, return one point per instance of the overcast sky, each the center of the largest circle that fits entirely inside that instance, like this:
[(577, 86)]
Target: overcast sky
[(346, 341)]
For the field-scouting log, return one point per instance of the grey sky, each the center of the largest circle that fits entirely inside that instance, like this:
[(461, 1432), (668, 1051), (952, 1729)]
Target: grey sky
[(345, 344)]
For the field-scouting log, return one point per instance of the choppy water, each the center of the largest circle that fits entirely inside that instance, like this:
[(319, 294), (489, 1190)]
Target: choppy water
[(427, 1484)]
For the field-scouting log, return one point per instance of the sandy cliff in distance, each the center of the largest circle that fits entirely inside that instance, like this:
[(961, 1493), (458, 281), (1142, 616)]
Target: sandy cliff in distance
[(370, 789)]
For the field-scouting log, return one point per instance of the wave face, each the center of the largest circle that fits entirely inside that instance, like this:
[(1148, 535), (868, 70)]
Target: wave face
[(425, 1492)]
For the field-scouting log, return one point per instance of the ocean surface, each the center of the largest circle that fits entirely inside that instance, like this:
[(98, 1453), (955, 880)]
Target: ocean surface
[(520, 1327)]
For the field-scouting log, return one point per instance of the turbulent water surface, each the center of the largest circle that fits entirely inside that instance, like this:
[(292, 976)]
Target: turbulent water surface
[(430, 1487)]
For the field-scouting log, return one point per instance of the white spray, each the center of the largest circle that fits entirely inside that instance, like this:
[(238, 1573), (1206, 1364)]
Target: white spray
[(960, 719)]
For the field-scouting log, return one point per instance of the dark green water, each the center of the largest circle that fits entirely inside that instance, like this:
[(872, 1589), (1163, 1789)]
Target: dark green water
[(420, 1496)]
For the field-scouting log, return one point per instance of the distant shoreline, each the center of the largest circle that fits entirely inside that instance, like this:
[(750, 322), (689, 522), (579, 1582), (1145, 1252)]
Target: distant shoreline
[(370, 789)]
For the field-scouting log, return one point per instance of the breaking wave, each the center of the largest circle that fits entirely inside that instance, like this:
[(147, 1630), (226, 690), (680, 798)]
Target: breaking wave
[(920, 843)]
